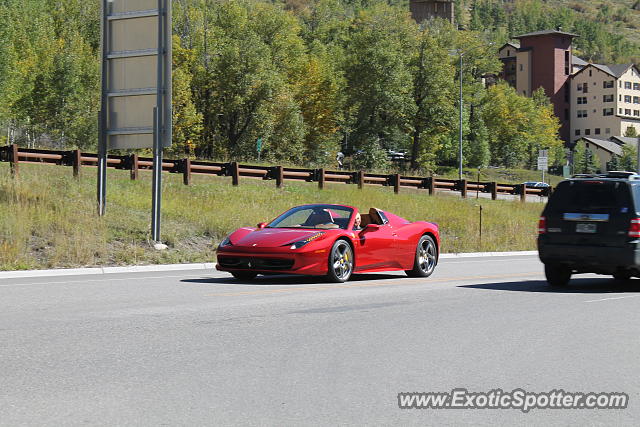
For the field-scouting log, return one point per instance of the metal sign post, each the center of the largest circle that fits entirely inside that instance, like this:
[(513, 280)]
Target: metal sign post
[(543, 162), (136, 87)]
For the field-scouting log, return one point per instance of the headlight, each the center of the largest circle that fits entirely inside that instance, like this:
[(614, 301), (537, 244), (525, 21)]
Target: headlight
[(301, 243), (225, 242)]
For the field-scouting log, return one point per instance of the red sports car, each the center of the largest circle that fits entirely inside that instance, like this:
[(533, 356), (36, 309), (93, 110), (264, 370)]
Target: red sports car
[(326, 240)]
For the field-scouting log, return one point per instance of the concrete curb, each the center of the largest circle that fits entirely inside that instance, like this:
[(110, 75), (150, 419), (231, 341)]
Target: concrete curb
[(105, 270), (198, 266), (488, 254)]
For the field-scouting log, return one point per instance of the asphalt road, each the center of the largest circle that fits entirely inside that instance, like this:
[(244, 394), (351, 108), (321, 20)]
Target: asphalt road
[(187, 348)]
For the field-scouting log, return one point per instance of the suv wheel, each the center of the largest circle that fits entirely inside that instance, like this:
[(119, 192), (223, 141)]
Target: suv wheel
[(557, 275), (622, 275)]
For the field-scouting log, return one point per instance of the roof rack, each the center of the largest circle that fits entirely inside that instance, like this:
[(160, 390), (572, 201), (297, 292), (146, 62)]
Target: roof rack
[(609, 174)]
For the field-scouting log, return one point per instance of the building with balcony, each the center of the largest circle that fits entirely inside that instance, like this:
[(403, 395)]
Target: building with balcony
[(605, 101)]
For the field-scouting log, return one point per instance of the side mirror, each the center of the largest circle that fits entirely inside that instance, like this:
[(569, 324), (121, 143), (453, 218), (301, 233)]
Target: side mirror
[(262, 225), (372, 227)]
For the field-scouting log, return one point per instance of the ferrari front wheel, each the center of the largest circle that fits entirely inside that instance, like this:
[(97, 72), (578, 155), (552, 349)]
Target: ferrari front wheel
[(426, 258), (340, 262)]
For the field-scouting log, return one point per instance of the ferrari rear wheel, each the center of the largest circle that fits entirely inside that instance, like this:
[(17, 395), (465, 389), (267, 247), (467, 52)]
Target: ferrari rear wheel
[(426, 258), (244, 275), (340, 262)]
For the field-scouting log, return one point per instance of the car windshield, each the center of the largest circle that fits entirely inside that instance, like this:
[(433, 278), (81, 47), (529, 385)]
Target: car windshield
[(314, 216)]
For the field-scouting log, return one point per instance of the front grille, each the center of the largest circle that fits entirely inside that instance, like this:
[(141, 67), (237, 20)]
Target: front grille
[(251, 263)]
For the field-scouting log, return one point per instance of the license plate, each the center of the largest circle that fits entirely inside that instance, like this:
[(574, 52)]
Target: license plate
[(585, 227)]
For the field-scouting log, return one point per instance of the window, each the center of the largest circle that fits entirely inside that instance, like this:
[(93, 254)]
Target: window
[(607, 130), (607, 98), (607, 84), (521, 67), (587, 131), (567, 63), (627, 85), (636, 113), (590, 73), (597, 131), (579, 87), (607, 112), (619, 110), (627, 111), (582, 113), (620, 98), (585, 88), (582, 100), (636, 86), (636, 99), (508, 52), (627, 99), (577, 132)]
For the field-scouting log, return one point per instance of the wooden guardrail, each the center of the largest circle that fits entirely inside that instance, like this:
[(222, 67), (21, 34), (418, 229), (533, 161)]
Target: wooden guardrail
[(188, 167)]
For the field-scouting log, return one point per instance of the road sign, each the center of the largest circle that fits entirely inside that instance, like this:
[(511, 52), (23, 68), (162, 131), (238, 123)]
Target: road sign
[(543, 164), (259, 145), (136, 72), (136, 87)]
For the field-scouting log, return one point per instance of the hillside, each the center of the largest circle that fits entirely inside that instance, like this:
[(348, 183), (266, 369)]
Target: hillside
[(609, 30)]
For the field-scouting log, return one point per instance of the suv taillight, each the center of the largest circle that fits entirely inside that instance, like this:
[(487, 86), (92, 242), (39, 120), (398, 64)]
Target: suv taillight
[(634, 228), (542, 225)]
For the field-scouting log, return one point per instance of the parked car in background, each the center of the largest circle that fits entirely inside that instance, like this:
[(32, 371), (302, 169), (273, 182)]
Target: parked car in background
[(536, 184)]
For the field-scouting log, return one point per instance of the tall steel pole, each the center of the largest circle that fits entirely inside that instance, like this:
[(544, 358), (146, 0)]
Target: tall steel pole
[(460, 139), (102, 115)]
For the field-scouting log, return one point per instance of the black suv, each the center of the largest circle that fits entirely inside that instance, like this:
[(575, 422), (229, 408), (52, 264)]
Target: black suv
[(591, 224)]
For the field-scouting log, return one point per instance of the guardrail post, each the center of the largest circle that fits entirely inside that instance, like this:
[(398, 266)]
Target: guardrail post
[(279, 171), (494, 190), (77, 162), (235, 173), (135, 167), (14, 159), (320, 175), (360, 180), (430, 185), (463, 188), (523, 192), (396, 183), (186, 171)]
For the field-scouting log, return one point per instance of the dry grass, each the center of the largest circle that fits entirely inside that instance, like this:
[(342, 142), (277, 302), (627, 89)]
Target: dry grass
[(47, 218)]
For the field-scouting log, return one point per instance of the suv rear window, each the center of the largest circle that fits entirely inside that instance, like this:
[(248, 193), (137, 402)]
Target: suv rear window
[(591, 196)]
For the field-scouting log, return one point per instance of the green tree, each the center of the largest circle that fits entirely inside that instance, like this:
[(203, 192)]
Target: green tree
[(629, 159), (433, 94), (379, 81), (479, 153), (631, 132)]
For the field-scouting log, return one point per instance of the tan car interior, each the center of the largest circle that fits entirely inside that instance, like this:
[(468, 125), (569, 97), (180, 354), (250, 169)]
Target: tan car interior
[(370, 218)]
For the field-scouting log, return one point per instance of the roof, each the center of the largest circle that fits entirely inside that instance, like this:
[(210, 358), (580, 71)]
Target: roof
[(512, 44), (578, 61), (624, 140), (609, 146), (615, 70), (546, 33)]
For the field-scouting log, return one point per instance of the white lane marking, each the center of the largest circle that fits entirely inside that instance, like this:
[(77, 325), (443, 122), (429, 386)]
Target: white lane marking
[(609, 299), (124, 279), (462, 261)]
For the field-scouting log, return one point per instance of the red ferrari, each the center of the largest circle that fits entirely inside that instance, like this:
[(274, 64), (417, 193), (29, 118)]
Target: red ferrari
[(333, 241)]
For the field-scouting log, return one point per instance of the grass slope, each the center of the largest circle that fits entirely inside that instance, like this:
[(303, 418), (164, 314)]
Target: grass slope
[(47, 218)]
